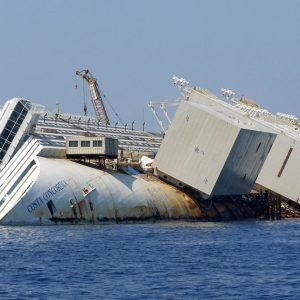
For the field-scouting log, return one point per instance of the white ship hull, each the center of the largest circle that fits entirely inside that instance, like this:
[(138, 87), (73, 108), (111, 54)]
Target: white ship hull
[(67, 192)]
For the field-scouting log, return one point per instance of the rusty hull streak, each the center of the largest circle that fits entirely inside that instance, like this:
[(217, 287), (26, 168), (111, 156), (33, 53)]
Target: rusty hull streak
[(180, 205)]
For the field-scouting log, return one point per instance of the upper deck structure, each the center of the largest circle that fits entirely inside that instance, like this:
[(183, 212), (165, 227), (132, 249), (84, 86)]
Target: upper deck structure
[(54, 128)]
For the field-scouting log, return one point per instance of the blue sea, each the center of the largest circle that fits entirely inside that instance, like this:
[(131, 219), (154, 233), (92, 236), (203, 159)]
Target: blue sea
[(162, 260)]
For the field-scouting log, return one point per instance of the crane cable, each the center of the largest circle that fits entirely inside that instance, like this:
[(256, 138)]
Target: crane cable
[(84, 94), (112, 108), (84, 100), (84, 97)]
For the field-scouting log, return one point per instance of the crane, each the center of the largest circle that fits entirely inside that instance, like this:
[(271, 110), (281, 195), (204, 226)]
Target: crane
[(159, 121), (163, 106), (97, 101)]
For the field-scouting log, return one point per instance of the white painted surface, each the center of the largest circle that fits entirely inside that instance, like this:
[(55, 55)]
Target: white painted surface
[(109, 146), (288, 184), (24, 128), (210, 147), (113, 196)]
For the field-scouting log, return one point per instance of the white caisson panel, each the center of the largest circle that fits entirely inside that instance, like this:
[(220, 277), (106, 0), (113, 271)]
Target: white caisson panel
[(210, 147), (281, 171)]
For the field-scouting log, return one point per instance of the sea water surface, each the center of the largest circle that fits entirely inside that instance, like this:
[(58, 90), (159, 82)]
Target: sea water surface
[(162, 260)]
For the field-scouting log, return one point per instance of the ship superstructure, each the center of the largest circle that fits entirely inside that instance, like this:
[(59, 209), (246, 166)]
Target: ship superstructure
[(56, 127), (17, 120)]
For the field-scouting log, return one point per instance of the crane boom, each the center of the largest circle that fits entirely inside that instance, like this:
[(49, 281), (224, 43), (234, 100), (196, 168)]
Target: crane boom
[(97, 101), (159, 121), (163, 106)]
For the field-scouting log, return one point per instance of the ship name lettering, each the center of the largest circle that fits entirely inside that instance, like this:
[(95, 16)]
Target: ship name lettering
[(54, 189), (37, 202)]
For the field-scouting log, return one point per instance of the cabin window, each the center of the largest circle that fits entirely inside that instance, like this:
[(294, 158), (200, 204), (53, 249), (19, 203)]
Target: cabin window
[(285, 162), (97, 143), (12, 126), (85, 143), (73, 143)]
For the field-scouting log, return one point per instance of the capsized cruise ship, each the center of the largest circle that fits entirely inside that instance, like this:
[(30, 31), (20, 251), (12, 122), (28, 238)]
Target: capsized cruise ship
[(52, 164)]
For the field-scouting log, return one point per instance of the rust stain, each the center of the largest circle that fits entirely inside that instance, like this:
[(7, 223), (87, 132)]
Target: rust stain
[(192, 205)]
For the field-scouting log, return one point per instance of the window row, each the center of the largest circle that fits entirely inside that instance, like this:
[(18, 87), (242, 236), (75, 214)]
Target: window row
[(85, 143), (12, 126)]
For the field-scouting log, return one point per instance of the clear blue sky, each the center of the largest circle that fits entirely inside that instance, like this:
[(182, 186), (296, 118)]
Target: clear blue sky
[(134, 47)]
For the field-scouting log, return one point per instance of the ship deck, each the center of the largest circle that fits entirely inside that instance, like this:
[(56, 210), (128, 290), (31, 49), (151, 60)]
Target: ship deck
[(52, 130)]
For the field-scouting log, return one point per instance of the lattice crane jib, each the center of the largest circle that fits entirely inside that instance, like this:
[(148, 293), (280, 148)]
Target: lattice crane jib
[(96, 98)]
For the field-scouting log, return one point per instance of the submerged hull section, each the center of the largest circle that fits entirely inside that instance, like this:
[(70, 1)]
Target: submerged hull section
[(67, 192)]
